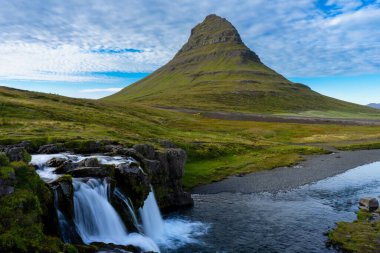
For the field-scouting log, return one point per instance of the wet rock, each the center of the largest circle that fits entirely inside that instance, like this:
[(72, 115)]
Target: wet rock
[(16, 154), (114, 149), (133, 153), (64, 202), (104, 171), (56, 162), (104, 247), (133, 182), (50, 149), (369, 204), (154, 169), (180, 200), (167, 179), (65, 167), (64, 191), (89, 162), (146, 150)]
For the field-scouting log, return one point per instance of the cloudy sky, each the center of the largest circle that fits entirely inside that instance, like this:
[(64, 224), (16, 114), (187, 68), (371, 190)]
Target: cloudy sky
[(92, 48)]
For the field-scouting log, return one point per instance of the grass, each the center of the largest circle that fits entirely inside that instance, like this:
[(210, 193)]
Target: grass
[(361, 235), (216, 148)]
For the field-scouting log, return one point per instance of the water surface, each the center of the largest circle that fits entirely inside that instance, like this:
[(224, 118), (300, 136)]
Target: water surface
[(292, 221)]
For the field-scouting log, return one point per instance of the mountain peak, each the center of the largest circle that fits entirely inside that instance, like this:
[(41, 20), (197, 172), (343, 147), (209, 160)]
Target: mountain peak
[(213, 30)]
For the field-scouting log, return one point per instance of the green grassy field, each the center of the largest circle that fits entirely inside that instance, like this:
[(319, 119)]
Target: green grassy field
[(216, 148)]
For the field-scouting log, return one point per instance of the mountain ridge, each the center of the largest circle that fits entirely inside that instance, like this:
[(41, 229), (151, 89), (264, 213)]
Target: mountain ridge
[(215, 70)]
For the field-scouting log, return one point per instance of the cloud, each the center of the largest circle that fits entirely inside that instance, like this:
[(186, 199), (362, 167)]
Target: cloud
[(101, 90), (61, 40)]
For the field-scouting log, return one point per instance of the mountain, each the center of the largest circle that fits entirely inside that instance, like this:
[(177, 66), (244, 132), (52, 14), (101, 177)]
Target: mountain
[(374, 105), (215, 70)]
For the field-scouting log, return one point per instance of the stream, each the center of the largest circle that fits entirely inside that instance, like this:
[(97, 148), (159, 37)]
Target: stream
[(291, 221)]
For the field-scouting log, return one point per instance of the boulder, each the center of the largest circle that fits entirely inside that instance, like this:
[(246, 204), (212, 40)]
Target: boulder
[(16, 154), (180, 200), (114, 149), (64, 191), (89, 162), (176, 159), (133, 153), (133, 182), (146, 150), (64, 202), (65, 167), (56, 162), (50, 149), (104, 171), (369, 204)]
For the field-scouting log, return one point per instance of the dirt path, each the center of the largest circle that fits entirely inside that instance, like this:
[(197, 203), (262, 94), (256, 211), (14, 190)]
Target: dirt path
[(273, 118)]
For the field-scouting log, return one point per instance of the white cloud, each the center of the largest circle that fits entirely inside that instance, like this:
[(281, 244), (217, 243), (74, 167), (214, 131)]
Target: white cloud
[(55, 40), (101, 90)]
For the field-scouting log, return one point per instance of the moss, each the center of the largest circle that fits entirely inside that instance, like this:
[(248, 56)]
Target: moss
[(6, 172), (26, 157), (65, 178), (4, 160), (69, 248), (21, 213), (361, 235)]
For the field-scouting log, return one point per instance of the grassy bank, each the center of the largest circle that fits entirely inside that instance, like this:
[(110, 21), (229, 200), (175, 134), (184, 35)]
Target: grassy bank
[(216, 148), (361, 235)]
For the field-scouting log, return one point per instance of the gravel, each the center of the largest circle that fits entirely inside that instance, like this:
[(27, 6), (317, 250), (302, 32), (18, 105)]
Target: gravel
[(314, 168)]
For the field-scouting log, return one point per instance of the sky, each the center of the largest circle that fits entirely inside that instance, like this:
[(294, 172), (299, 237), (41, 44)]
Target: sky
[(93, 48)]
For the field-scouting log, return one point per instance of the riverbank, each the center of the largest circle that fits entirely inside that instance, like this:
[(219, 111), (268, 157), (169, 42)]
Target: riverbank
[(312, 169)]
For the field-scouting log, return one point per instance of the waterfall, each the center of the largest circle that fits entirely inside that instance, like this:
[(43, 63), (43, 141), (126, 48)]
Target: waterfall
[(153, 223), (64, 227), (97, 221), (128, 204)]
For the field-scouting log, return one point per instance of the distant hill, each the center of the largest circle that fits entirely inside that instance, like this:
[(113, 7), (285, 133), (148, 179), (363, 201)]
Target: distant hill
[(215, 70), (374, 105)]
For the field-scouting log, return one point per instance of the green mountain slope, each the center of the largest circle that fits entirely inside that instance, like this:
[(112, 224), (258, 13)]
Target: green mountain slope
[(215, 70)]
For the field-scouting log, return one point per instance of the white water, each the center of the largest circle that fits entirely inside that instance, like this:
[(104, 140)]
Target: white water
[(128, 204), (170, 233), (97, 221), (151, 218)]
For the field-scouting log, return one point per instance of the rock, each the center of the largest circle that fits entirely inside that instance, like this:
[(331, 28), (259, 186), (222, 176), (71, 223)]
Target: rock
[(89, 162), (180, 200), (50, 149), (167, 144), (65, 167), (176, 162), (16, 154), (56, 162), (114, 149), (369, 204), (104, 171), (133, 153), (6, 187), (64, 190), (154, 169), (146, 150), (133, 182), (64, 201)]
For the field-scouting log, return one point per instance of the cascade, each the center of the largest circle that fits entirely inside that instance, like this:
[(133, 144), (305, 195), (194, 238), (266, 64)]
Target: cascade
[(97, 221), (153, 223)]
